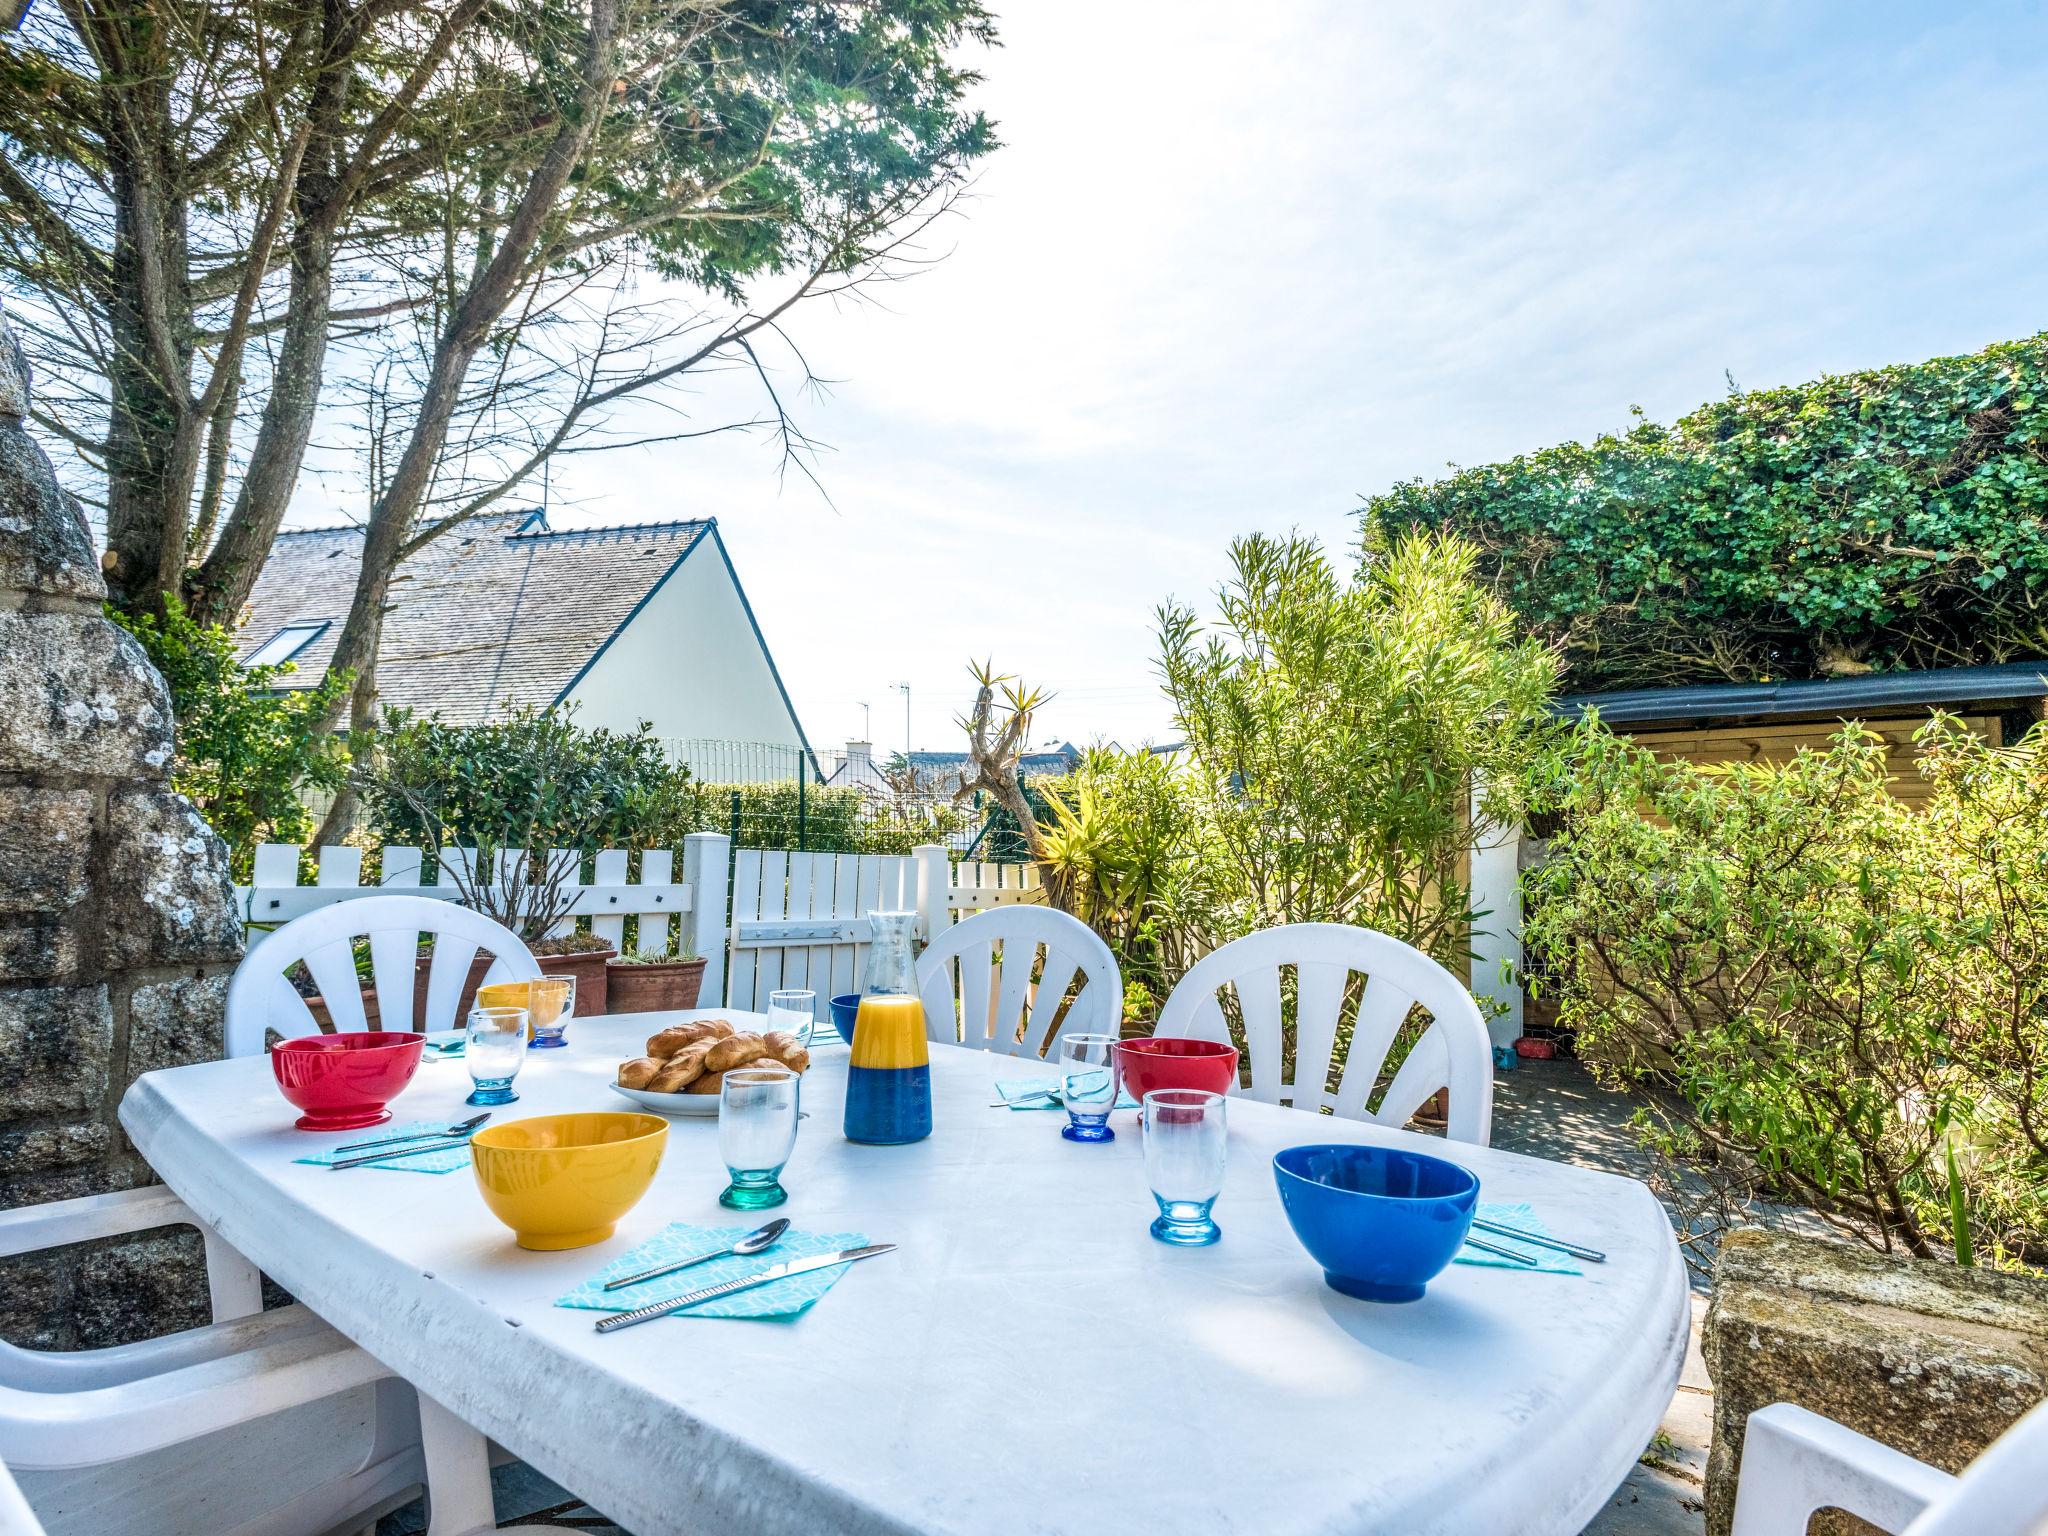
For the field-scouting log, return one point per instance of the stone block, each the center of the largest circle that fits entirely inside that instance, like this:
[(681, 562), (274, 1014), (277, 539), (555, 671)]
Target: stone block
[(174, 1023), (78, 696), (37, 948), (142, 1289), (45, 841), (168, 899), (1933, 1360), (44, 543), (55, 1043), (49, 1148), (35, 1302), (14, 376)]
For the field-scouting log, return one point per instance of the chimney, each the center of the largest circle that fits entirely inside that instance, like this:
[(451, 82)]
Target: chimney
[(860, 758)]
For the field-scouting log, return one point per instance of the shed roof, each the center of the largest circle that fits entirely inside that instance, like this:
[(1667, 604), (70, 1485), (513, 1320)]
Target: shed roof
[(2004, 684), (502, 613)]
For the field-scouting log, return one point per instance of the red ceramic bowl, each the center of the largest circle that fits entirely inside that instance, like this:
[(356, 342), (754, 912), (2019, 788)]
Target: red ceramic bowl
[(343, 1082), (1157, 1063)]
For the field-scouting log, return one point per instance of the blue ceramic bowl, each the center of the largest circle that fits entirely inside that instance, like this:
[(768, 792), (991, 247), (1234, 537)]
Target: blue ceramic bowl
[(1382, 1223), (845, 1009)]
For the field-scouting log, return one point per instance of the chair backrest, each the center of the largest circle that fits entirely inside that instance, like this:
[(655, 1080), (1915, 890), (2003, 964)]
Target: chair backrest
[(16, 1518), (1453, 1053), (994, 991), (2004, 1492), (260, 998)]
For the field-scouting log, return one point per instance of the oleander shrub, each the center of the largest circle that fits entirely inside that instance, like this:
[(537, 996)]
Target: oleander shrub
[(1894, 518), (1845, 1000), (1336, 726)]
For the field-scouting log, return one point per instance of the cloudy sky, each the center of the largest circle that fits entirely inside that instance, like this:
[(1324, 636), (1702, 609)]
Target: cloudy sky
[(1237, 265)]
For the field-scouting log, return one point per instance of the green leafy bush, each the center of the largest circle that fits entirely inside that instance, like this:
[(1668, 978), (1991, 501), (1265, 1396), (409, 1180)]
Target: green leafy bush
[(1892, 518), (245, 748), (533, 780), (1850, 997), (1128, 848), (1335, 730)]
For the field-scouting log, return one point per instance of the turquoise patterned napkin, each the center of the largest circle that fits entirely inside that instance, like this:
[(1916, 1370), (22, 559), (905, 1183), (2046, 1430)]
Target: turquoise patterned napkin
[(1548, 1260), (680, 1240), (447, 1157), (1030, 1093)]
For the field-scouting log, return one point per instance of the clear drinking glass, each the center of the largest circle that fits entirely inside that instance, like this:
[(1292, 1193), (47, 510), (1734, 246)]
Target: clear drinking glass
[(793, 1011), (756, 1131), (495, 1052), (1185, 1142), (552, 1002), (1088, 1084)]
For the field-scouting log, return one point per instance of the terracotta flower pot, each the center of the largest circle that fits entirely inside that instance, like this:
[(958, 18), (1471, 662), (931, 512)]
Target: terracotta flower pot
[(463, 1003), (641, 987), (588, 968), (317, 1006)]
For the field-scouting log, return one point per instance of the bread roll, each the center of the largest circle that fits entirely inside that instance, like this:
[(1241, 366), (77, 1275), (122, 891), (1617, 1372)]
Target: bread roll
[(708, 1082), (735, 1052), (677, 1036), (782, 1047), (638, 1072), (681, 1069)]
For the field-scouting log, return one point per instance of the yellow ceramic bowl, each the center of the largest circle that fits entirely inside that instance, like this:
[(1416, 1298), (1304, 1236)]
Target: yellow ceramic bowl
[(563, 1181)]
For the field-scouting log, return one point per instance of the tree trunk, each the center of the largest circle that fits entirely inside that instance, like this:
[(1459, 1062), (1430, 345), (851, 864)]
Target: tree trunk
[(218, 589), (500, 281), (153, 441)]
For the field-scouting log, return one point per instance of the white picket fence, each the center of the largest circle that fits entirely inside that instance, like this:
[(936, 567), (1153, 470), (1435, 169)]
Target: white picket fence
[(793, 920), (799, 920)]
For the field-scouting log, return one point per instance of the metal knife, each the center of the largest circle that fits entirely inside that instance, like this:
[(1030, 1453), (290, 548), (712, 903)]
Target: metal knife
[(744, 1283)]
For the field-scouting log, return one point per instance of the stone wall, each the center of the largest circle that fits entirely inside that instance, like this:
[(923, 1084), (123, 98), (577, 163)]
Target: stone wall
[(1932, 1360), (117, 923)]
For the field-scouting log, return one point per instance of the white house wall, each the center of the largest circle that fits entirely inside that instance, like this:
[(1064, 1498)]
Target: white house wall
[(688, 662)]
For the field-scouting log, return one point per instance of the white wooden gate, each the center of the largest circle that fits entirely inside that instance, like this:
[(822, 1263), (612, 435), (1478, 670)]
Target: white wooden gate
[(799, 920)]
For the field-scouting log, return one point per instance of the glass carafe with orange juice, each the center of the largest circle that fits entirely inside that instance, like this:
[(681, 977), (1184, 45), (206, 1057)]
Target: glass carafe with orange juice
[(889, 1079)]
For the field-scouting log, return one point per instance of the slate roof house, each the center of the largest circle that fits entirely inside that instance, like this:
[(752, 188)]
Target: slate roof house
[(627, 624)]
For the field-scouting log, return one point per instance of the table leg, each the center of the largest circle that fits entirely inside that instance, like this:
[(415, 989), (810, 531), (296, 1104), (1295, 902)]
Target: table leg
[(458, 1462)]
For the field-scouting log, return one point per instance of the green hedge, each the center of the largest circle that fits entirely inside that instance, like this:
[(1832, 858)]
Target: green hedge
[(1896, 518)]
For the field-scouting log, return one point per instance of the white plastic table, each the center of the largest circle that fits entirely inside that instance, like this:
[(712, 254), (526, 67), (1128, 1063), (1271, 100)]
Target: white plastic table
[(1028, 1362)]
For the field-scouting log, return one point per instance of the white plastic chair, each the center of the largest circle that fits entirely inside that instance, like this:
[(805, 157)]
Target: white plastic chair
[(1453, 1053), (261, 999), (259, 1424), (993, 992), (1795, 1462)]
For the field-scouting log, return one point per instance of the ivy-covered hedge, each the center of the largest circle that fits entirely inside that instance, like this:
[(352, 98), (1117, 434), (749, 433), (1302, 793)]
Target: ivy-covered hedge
[(1891, 519)]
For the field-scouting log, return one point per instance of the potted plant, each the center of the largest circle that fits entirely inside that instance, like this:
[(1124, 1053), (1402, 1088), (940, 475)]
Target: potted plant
[(652, 983)]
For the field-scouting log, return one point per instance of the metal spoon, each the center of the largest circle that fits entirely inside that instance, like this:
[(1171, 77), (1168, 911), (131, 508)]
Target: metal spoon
[(753, 1242)]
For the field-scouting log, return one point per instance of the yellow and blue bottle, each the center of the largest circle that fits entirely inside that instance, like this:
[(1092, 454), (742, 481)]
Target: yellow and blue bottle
[(889, 1078)]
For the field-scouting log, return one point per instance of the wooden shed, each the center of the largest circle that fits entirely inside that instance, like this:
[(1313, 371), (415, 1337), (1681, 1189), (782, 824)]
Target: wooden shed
[(1768, 722), (1743, 722)]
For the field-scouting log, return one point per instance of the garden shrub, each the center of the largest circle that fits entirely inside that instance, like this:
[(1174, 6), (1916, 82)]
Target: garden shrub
[(245, 747), (1894, 518), (1335, 730), (1128, 847), (533, 780), (1849, 997)]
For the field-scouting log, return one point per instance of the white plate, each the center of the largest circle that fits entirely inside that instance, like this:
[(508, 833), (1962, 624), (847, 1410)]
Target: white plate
[(690, 1104)]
